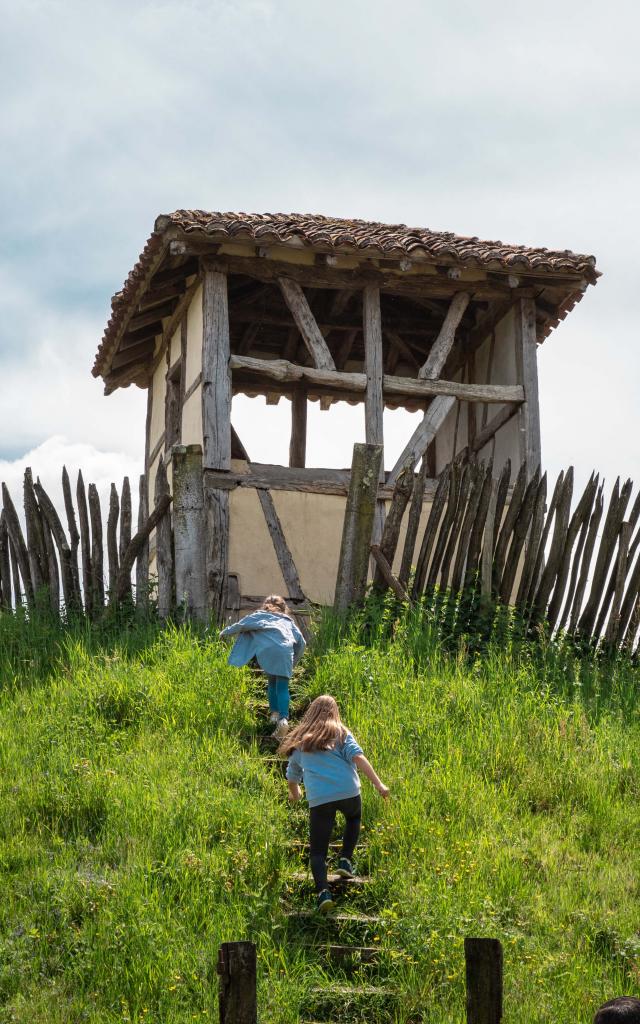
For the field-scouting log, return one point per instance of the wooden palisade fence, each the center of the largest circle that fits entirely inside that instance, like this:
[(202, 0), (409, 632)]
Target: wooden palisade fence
[(576, 571), (64, 568), (563, 560)]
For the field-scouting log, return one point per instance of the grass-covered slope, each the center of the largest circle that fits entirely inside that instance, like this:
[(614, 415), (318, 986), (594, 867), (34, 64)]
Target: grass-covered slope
[(141, 827)]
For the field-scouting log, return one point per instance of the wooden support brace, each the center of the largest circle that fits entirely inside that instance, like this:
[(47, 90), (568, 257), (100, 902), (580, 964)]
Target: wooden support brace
[(387, 575), (423, 435), (306, 324), (446, 337)]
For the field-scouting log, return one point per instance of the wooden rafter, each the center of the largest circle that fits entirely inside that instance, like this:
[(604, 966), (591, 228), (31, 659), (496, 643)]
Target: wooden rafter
[(306, 324), (446, 337)]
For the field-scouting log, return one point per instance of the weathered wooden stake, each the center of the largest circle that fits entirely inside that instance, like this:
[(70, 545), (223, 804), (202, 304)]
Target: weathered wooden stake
[(391, 532), (164, 552), (486, 559), (483, 960), (97, 569), (125, 523), (357, 529), (74, 539), (85, 545), (142, 559), (189, 530), (112, 539), (5, 565), (238, 989), (19, 554), (413, 523)]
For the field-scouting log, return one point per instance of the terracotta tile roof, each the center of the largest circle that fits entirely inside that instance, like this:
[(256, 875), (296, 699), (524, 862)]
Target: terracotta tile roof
[(336, 235)]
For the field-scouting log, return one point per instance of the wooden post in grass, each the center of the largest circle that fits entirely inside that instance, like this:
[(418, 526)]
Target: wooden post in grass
[(189, 530), (237, 993), (357, 530), (483, 958)]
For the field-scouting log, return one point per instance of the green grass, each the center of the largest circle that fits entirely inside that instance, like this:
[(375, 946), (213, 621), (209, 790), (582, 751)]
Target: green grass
[(140, 827)]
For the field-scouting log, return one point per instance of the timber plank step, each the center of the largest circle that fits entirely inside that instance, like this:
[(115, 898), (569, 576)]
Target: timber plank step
[(332, 879), (363, 954)]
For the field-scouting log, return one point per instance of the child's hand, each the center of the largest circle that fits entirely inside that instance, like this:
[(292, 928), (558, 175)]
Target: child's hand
[(383, 790)]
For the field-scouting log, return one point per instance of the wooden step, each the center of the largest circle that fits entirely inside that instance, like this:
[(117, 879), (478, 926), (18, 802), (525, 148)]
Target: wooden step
[(363, 954), (316, 916), (332, 879)]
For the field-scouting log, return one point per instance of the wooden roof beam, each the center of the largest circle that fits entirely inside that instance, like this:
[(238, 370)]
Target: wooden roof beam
[(306, 324), (367, 273)]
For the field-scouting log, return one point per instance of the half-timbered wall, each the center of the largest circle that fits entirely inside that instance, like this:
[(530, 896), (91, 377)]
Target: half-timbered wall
[(311, 522)]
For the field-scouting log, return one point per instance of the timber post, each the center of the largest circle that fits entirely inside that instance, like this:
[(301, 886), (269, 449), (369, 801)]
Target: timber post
[(164, 546), (483, 961), (237, 993), (357, 529), (189, 530), (527, 366), (216, 427)]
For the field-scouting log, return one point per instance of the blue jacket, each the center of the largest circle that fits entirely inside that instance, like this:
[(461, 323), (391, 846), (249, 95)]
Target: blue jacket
[(274, 640), (327, 775)]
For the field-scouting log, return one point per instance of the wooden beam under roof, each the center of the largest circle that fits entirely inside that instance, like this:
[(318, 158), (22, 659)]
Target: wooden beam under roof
[(285, 372), (426, 284)]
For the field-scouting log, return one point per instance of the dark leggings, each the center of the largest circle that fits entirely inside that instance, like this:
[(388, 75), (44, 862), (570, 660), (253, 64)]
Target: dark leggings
[(322, 820)]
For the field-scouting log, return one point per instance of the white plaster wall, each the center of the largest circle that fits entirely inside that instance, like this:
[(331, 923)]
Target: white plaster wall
[(192, 418), (174, 347), (251, 552), (444, 437), (505, 372), (159, 388)]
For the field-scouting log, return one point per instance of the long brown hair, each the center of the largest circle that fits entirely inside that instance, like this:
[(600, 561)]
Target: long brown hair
[(276, 605), (320, 728)]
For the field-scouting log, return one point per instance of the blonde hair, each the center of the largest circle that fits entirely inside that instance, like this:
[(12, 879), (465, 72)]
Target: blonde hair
[(276, 605), (320, 728)]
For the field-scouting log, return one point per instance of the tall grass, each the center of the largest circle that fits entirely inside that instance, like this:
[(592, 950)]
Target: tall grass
[(140, 827)]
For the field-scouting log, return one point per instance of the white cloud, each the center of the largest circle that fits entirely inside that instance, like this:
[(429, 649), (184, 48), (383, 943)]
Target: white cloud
[(98, 467)]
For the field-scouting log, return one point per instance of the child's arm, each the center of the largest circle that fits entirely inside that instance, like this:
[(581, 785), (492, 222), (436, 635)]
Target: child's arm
[(244, 625), (294, 777), (363, 765)]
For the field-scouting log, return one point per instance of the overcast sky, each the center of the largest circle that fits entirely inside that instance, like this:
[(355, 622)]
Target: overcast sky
[(515, 121)]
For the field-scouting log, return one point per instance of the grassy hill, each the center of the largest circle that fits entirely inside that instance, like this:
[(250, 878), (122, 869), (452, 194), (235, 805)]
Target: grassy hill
[(141, 826)]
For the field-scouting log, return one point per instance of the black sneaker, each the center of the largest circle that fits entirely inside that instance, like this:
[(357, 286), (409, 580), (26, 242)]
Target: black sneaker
[(326, 902), (345, 868)]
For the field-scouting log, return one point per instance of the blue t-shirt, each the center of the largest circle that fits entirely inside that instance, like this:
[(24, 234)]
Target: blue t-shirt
[(327, 774)]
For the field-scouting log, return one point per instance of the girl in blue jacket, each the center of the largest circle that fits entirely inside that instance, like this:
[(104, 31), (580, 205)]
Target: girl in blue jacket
[(271, 637), (324, 756)]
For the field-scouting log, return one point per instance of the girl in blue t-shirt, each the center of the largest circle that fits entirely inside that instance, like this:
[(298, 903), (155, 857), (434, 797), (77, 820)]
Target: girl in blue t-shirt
[(324, 756), (271, 637)]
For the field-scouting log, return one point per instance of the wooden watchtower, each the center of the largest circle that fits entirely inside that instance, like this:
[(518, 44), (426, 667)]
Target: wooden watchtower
[(310, 308)]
